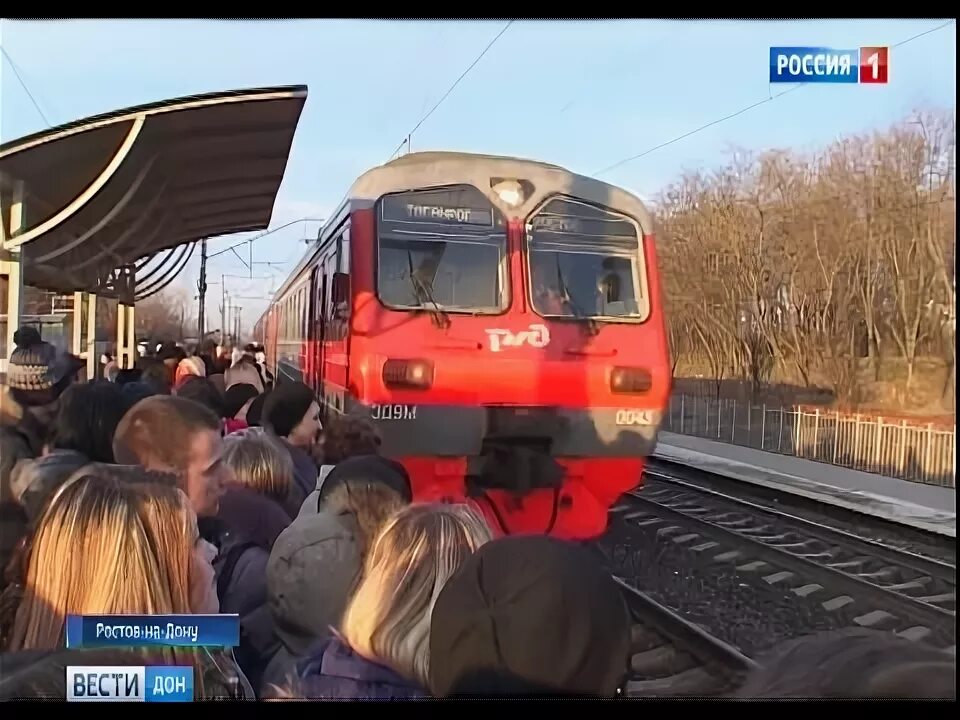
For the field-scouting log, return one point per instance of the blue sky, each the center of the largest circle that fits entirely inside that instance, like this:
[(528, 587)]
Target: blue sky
[(580, 94)]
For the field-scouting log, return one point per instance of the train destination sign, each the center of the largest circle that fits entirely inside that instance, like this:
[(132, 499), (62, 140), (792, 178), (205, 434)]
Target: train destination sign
[(457, 208), (438, 212), (564, 217)]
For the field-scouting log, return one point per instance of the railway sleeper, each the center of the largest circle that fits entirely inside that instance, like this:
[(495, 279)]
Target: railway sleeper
[(755, 531), (643, 638), (661, 661), (849, 564), (793, 545), (696, 681), (734, 523), (770, 539), (880, 574)]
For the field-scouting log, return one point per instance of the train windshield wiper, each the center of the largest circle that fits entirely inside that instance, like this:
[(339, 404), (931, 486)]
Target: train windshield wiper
[(591, 324), (423, 292)]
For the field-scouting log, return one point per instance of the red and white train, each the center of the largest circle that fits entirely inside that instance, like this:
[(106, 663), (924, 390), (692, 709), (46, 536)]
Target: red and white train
[(500, 320)]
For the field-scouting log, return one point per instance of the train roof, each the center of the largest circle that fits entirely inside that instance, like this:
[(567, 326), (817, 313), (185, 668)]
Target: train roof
[(420, 170)]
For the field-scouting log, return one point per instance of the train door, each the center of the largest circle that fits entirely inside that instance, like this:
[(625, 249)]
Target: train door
[(335, 323), (315, 329)]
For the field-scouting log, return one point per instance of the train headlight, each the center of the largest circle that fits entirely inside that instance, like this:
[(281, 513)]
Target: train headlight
[(411, 374), (511, 192), (630, 381)]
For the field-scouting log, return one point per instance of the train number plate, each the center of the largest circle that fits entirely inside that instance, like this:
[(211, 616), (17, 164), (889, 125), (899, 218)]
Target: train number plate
[(635, 417), (393, 412)]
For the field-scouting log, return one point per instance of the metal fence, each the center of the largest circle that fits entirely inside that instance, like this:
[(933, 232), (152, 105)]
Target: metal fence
[(899, 448)]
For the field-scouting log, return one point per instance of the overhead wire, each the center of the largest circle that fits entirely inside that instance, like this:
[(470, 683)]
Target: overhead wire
[(409, 135), (16, 72), (742, 110), (262, 235)]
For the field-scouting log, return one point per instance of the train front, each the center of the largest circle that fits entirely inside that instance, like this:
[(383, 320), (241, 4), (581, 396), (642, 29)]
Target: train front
[(513, 349)]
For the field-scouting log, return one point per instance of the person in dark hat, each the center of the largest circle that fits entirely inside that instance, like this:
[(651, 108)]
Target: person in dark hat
[(255, 410), (291, 412), (81, 432), (170, 354), (236, 402), (316, 562), (362, 469), (27, 336), (37, 375), (530, 616)]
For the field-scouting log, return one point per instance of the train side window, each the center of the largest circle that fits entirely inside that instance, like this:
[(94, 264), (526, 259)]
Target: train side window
[(305, 318), (319, 304), (336, 327), (345, 252), (302, 315), (326, 273)]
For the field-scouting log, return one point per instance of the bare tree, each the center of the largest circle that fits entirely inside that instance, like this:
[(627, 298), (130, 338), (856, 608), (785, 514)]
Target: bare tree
[(783, 266), (167, 315)]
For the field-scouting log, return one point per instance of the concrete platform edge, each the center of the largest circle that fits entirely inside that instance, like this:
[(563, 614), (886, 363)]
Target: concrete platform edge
[(886, 508)]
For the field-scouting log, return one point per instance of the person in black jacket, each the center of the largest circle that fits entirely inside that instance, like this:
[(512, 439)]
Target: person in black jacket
[(291, 412), (37, 375), (250, 518)]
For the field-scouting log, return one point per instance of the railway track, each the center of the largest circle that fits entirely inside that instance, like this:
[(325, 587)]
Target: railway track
[(866, 582), (673, 657)]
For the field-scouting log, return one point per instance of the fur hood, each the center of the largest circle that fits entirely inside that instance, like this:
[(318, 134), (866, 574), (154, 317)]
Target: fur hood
[(316, 561)]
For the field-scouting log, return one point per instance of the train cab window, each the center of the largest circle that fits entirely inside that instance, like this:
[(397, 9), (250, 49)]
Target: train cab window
[(338, 310), (441, 249), (585, 262)]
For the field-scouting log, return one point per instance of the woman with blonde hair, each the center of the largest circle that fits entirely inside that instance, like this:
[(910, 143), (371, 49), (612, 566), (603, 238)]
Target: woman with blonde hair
[(383, 648), (105, 545), (250, 518)]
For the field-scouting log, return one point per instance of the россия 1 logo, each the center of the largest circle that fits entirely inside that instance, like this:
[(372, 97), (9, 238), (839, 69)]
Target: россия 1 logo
[(865, 65)]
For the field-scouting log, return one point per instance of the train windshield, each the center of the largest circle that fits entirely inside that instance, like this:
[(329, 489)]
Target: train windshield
[(584, 262), (442, 250)]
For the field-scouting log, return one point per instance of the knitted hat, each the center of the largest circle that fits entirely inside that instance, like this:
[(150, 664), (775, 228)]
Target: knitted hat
[(236, 397), (286, 407), (255, 411), (37, 373), (26, 336), (529, 615)]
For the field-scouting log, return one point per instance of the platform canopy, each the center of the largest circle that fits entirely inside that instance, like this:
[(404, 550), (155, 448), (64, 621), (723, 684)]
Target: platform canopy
[(125, 196)]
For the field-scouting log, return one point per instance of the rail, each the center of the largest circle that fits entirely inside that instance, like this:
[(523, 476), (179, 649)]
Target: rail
[(671, 656), (924, 453), (857, 580)]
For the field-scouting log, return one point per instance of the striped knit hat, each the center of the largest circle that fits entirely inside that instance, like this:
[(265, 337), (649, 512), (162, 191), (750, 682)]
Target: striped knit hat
[(37, 373)]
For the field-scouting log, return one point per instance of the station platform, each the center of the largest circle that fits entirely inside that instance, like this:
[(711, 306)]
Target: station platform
[(925, 507)]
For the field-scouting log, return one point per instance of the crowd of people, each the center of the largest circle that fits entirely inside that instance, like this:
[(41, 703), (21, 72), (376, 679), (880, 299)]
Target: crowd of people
[(196, 484)]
